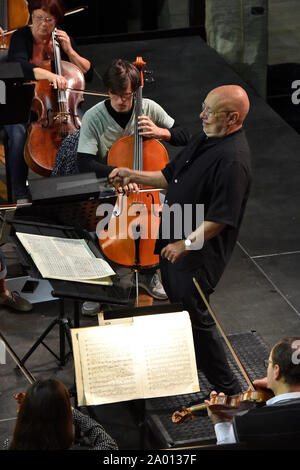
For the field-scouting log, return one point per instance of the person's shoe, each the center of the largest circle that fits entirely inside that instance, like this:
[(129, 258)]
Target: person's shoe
[(15, 301), (153, 286), (90, 309)]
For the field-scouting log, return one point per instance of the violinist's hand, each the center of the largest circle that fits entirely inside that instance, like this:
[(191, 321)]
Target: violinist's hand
[(174, 251), (64, 41), (148, 129), (58, 81), (215, 418), (261, 383), (1, 31), (120, 178)]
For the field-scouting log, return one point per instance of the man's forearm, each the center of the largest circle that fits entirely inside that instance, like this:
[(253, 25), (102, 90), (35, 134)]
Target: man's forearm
[(205, 231), (151, 178)]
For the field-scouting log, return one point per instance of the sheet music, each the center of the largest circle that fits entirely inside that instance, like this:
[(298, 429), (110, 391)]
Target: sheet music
[(169, 345), (109, 371), (148, 356), (63, 258)]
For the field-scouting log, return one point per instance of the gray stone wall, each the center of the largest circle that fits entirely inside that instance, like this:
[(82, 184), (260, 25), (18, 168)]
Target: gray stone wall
[(238, 31)]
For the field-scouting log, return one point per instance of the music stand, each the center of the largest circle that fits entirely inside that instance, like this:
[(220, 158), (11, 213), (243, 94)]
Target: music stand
[(76, 291), (15, 110), (4, 233), (18, 96)]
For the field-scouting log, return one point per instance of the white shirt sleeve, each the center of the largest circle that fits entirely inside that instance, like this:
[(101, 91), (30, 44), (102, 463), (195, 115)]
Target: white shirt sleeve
[(225, 433)]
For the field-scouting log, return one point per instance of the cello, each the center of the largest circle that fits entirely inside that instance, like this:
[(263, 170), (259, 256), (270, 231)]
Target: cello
[(130, 236), (57, 113)]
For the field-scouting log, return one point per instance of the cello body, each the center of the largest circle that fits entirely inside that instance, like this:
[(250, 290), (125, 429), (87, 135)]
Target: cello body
[(57, 113), (55, 120), (131, 234)]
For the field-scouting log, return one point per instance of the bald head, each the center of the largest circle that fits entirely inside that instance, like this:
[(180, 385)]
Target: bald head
[(234, 98), (229, 106)]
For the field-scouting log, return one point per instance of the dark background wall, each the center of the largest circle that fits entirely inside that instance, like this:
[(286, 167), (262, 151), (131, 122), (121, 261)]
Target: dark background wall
[(114, 17)]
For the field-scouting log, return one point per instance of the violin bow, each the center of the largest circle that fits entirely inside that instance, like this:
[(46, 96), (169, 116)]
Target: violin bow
[(237, 360)]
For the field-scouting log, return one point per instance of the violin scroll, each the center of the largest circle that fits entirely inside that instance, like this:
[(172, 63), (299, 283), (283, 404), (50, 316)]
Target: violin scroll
[(19, 397), (182, 416)]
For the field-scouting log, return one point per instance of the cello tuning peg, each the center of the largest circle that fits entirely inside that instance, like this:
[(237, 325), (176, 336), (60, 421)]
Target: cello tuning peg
[(149, 80), (148, 72)]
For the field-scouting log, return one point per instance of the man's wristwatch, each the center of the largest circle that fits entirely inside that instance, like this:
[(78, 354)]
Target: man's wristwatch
[(187, 243)]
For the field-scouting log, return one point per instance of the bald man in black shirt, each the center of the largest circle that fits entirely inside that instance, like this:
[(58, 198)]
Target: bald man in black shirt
[(212, 173)]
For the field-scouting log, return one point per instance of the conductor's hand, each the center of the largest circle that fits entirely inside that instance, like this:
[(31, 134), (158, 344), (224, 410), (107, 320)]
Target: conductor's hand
[(120, 178), (174, 251)]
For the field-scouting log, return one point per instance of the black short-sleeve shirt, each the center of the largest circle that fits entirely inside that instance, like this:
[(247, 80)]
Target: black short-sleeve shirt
[(215, 172)]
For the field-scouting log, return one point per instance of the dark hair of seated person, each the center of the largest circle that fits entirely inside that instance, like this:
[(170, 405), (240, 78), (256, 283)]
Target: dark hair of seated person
[(44, 419)]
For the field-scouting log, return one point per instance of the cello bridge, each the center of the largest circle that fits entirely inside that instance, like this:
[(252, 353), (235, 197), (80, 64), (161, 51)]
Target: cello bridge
[(62, 115)]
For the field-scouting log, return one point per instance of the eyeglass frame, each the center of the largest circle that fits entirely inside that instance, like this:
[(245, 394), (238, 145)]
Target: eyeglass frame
[(125, 96), (267, 362), (209, 112), (41, 19)]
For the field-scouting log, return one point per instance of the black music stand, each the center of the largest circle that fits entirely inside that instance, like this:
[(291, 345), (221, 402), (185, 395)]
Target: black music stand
[(16, 106), (18, 97), (76, 291), (26, 372)]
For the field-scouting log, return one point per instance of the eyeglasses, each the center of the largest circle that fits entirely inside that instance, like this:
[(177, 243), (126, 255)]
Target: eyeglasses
[(210, 112), (125, 96), (40, 19), (267, 362)]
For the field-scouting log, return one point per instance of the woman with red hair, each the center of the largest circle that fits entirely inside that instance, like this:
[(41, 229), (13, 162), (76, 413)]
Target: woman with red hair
[(30, 46)]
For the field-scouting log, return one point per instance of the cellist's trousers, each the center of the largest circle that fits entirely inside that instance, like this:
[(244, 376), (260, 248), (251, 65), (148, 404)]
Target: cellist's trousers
[(18, 168), (209, 350)]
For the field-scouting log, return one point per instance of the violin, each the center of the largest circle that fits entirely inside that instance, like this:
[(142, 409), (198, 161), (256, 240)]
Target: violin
[(57, 113), (225, 406), (19, 397)]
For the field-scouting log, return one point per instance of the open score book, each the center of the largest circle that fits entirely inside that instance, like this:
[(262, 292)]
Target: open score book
[(140, 357), (66, 258)]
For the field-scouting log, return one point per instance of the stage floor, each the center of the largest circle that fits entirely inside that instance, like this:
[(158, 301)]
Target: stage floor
[(259, 290)]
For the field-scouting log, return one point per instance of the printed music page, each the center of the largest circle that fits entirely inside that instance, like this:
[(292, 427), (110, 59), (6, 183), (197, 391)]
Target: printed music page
[(168, 354), (106, 368), (146, 357), (67, 259)]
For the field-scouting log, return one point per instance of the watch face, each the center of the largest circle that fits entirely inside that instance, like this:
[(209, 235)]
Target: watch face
[(187, 242)]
